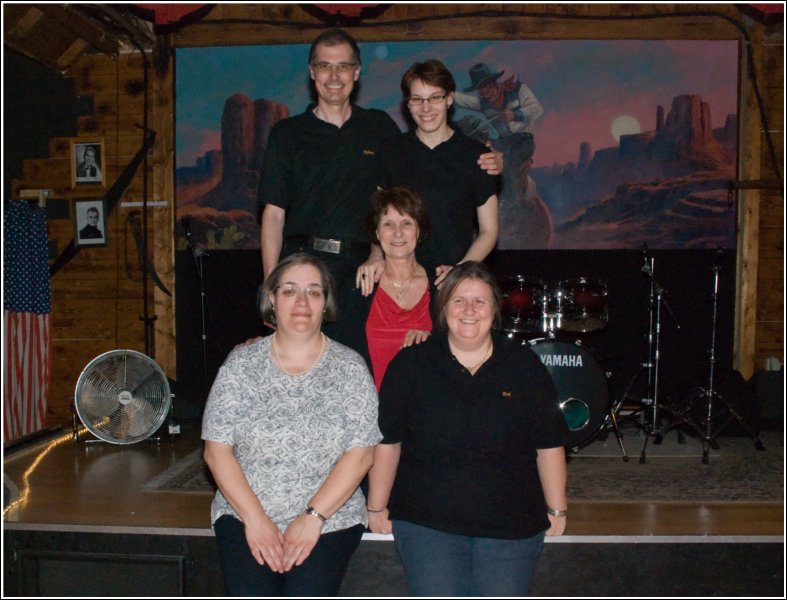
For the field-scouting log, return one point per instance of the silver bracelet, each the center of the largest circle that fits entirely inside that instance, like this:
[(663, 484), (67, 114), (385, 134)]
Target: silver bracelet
[(310, 510), (557, 513)]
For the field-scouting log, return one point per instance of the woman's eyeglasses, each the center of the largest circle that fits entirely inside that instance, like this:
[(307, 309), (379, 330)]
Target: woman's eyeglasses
[(417, 101), (289, 290)]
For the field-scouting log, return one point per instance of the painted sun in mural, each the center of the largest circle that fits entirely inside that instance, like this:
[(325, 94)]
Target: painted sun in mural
[(624, 125)]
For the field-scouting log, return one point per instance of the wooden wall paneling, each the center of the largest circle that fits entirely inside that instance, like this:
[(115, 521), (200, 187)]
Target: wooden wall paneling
[(111, 120), (771, 342), (94, 288), (162, 120), (769, 328), (769, 332), (451, 21), (46, 173), (97, 297), (749, 136)]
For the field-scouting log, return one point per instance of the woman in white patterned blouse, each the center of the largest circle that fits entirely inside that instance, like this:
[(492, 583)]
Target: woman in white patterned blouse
[(289, 429)]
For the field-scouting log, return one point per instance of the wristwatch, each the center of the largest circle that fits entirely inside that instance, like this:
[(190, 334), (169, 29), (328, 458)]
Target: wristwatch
[(557, 513), (310, 510)]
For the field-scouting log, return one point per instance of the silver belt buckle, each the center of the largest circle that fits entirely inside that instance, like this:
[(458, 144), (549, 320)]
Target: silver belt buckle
[(332, 246)]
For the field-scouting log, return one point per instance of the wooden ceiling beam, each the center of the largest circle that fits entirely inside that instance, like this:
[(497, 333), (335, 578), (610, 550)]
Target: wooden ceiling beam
[(83, 27), (24, 22), (77, 47)]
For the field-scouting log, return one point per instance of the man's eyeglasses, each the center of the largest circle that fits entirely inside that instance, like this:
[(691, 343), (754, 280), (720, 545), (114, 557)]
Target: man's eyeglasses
[(342, 67), (417, 101), (289, 290)]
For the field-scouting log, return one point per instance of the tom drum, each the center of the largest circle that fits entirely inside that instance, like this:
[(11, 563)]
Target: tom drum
[(581, 305), (524, 300)]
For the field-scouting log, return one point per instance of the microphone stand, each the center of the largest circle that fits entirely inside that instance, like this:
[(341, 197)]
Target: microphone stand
[(197, 255)]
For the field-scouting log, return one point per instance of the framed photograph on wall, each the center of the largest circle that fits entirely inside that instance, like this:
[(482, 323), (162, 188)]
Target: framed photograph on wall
[(87, 162), (90, 222)]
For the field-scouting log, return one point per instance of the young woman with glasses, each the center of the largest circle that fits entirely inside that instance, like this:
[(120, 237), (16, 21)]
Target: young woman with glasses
[(441, 164)]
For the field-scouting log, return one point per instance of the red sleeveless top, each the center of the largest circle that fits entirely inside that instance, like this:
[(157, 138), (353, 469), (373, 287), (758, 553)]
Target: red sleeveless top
[(387, 325)]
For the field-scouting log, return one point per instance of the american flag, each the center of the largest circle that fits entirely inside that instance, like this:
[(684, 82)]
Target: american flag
[(27, 360)]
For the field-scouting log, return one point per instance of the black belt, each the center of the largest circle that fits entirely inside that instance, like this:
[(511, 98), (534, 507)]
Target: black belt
[(329, 245)]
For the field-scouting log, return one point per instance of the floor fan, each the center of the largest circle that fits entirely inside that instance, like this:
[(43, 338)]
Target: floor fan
[(122, 397)]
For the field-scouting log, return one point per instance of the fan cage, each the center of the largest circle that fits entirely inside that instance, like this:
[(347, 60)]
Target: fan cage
[(122, 396)]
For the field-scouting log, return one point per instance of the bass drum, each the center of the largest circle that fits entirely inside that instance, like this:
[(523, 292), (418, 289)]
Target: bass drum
[(582, 387)]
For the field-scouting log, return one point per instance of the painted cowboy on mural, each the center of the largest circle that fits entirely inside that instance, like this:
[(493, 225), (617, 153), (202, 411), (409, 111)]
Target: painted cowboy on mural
[(510, 107)]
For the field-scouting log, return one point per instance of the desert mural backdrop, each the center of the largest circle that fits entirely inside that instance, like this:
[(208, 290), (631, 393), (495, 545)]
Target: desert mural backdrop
[(633, 142)]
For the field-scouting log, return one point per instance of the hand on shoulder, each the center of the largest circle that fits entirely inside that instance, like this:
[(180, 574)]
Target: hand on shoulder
[(415, 336)]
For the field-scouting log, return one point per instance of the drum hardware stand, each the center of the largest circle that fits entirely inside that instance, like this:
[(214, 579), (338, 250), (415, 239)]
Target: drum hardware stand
[(650, 404), (611, 419), (709, 394)]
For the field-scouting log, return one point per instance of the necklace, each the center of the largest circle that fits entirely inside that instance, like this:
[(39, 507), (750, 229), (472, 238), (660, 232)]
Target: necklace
[(400, 287), (275, 347), (476, 366)]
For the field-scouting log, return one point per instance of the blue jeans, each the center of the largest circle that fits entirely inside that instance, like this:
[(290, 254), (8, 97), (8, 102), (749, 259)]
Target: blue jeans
[(320, 574), (445, 564)]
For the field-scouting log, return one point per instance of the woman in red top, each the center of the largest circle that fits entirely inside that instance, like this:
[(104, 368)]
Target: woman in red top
[(399, 314)]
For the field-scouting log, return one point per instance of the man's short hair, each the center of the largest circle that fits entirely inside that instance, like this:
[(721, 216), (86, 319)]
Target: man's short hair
[(334, 37), (92, 209)]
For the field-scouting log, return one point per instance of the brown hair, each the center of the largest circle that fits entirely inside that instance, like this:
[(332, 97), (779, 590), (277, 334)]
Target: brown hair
[(431, 72), (402, 199), (334, 37), (468, 270), (274, 279)]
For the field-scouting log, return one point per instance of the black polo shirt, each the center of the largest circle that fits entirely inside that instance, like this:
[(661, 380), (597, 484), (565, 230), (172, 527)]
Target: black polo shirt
[(468, 460), (324, 175), (451, 183)]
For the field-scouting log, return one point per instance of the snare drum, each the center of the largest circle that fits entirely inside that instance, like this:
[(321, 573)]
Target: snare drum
[(581, 305), (523, 304), (582, 388)]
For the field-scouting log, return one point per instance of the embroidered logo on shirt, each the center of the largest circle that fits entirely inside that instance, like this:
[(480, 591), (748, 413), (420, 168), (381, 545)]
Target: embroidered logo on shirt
[(368, 152), (506, 394)]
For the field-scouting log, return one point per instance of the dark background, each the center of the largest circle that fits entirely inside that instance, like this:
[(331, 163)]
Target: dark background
[(231, 279)]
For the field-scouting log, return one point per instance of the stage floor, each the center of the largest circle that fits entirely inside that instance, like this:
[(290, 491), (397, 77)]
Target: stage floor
[(58, 485)]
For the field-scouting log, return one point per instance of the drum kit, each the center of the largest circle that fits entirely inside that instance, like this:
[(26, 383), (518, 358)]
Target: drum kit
[(534, 312), (574, 305)]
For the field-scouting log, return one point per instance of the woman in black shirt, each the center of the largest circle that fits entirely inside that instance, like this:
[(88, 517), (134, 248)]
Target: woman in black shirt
[(473, 470)]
